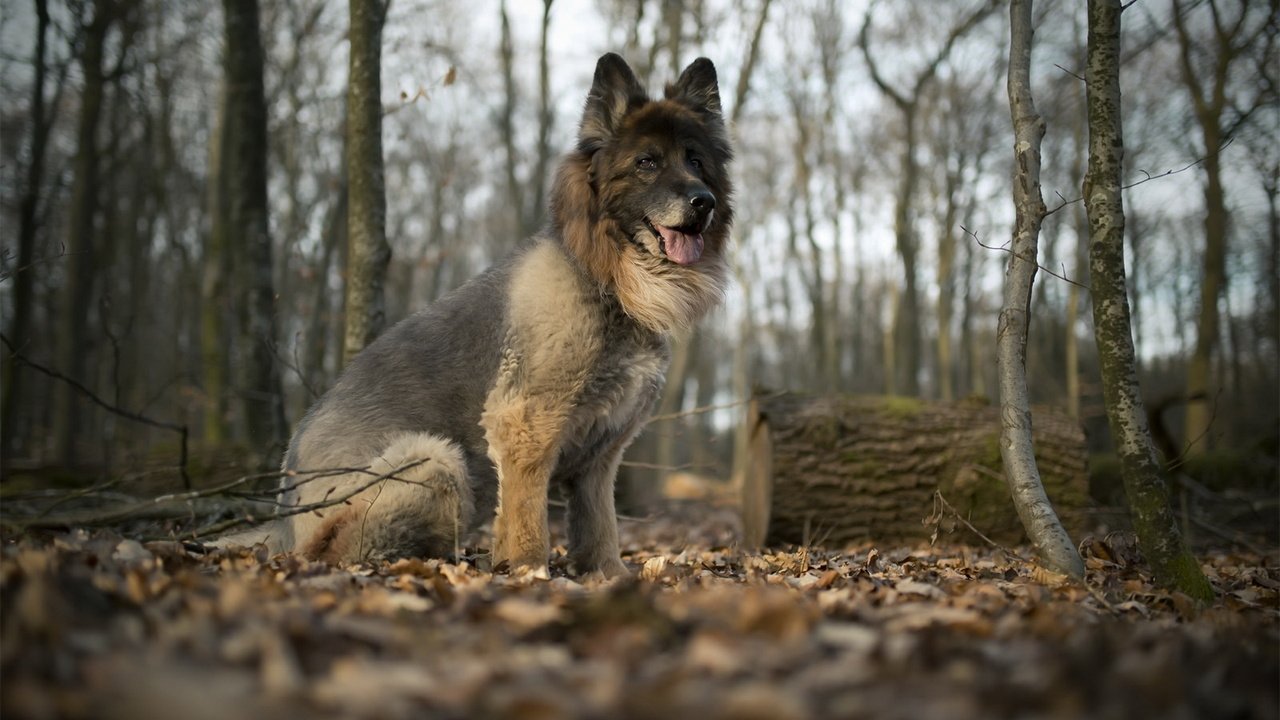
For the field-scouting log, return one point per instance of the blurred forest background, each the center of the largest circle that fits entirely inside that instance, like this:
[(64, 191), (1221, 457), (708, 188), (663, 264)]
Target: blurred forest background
[(873, 144)]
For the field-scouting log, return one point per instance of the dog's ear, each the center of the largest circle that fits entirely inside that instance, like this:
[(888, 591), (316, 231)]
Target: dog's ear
[(614, 91), (697, 87)]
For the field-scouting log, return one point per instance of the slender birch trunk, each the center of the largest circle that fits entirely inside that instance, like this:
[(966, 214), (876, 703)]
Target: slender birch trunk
[(1153, 519), (1034, 509)]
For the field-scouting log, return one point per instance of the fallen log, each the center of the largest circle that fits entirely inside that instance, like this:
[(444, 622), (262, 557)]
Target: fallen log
[(840, 469)]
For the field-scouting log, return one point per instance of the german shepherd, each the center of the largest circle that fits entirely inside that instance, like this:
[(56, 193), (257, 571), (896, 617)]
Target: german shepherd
[(541, 370)]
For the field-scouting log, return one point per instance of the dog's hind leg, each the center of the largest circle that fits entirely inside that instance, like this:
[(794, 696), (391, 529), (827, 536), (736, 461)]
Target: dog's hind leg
[(421, 508)]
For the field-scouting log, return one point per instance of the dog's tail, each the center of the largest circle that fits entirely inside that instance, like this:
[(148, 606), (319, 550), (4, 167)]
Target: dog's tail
[(422, 508)]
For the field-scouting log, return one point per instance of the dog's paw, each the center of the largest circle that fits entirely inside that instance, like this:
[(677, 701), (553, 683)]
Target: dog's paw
[(526, 564), (605, 570), (530, 572)]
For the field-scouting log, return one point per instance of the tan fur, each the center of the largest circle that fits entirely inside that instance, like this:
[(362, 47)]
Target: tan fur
[(547, 362), (426, 480)]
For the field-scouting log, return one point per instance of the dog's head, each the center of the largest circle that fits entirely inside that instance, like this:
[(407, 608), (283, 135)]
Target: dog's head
[(659, 167), (648, 186)]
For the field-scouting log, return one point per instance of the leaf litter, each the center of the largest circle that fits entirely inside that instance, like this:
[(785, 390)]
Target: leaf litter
[(96, 625)]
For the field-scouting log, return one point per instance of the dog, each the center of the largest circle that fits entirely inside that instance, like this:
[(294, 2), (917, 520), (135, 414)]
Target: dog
[(538, 372)]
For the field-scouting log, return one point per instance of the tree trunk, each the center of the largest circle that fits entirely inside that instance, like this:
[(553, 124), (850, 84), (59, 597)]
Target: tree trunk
[(322, 304), (673, 18), (506, 120), (1148, 496), (946, 286), (215, 341), (659, 440), (535, 213), (23, 278), (368, 253), (839, 469), (1196, 435), (1271, 269), (1016, 448), (889, 342), (906, 320), (1219, 115), (907, 316), (77, 287), (245, 169), (1080, 265), (970, 345)]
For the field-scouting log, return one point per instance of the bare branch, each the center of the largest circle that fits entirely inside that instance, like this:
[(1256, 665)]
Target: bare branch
[(1149, 177), (1002, 248), (18, 357)]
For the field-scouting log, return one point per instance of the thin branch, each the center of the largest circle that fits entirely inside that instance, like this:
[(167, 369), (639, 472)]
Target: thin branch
[(940, 503), (296, 366), (61, 254), (1002, 248), (329, 500), (1069, 72), (182, 431), (1177, 462), (423, 93), (708, 408), (656, 466), (1149, 177)]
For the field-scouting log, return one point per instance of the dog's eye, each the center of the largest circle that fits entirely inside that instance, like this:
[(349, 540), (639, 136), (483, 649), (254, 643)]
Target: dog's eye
[(695, 163), (646, 163)]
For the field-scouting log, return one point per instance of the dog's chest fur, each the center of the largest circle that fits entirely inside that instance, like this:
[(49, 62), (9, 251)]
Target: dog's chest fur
[(575, 347)]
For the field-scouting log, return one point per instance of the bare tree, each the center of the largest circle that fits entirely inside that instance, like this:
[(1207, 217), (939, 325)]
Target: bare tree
[(244, 167), (368, 253), (526, 198), (214, 279), (43, 114), (78, 282), (1220, 110), (963, 130), (536, 213), (1016, 449), (906, 325), (1158, 536)]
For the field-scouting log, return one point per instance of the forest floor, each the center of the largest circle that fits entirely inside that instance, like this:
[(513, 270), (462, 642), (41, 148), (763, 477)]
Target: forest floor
[(98, 625)]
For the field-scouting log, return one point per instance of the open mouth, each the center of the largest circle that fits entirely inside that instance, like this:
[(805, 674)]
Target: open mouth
[(681, 245)]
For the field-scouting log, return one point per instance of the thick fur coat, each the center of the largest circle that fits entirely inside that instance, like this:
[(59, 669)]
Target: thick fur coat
[(541, 370)]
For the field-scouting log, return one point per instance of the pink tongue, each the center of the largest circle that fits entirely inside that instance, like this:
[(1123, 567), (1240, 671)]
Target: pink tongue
[(681, 248)]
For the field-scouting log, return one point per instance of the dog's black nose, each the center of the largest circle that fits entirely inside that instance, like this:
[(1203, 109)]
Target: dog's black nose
[(702, 201)]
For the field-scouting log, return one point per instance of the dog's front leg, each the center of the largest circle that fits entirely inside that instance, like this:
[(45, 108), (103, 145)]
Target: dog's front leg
[(593, 521), (523, 436)]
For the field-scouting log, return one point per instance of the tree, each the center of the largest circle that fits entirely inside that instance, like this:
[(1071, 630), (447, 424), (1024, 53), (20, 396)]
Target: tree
[(1219, 111), (215, 273), (1158, 535), (244, 171), (368, 253), (906, 324), (527, 208), (78, 282), (963, 127), (43, 113), (1016, 448)]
